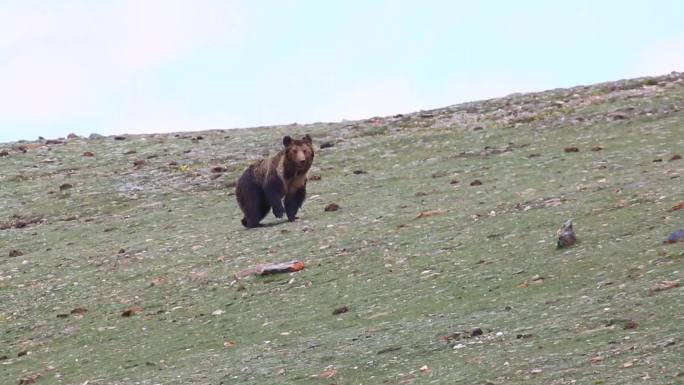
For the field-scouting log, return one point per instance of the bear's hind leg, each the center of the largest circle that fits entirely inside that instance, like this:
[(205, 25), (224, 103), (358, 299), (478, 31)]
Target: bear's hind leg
[(255, 206)]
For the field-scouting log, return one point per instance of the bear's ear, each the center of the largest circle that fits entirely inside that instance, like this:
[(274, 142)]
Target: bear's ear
[(287, 140), (307, 138)]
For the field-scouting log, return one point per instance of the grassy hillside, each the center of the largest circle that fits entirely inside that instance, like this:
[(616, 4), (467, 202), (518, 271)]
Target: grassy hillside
[(472, 291)]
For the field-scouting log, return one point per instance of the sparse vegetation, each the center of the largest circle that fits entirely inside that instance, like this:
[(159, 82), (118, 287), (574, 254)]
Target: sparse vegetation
[(422, 276)]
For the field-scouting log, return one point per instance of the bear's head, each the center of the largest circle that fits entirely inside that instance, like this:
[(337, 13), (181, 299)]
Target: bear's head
[(299, 153)]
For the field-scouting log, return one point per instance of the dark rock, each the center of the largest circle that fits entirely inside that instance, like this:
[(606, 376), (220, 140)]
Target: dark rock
[(314, 177), (359, 172), (566, 235), (65, 186), (88, 154), (15, 253), (675, 157), (72, 136), (340, 310), (218, 169), (327, 145), (139, 163), (476, 182), (4, 153), (571, 149), (389, 349), (476, 332), (53, 141), (94, 136), (119, 137), (19, 222), (332, 207)]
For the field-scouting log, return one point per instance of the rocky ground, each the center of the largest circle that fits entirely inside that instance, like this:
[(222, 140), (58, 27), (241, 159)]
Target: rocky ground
[(439, 265)]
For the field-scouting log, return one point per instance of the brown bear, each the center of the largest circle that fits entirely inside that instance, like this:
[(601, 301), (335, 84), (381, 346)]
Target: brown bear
[(264, 184)]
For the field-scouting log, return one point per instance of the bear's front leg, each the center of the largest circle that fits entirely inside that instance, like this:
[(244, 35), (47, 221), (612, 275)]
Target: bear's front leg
[(293, 202), (274, 190)]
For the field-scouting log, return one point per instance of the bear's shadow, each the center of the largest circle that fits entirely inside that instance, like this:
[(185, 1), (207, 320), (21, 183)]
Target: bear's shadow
[(269, 224)]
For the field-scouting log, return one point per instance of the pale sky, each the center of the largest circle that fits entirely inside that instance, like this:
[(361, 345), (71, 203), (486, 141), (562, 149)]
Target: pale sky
[(145, 66)]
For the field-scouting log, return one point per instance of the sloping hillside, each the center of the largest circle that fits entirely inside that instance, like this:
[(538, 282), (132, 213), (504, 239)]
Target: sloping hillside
[(117, 254)]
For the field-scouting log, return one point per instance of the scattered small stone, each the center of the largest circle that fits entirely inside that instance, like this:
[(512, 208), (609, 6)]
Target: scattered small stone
[(78, 311), (122, 251), (327, 145), (476, 182), (537, 279), (523, 336), (139, 163), (389, 349), (678, 206), (476, 332), (15, 253), (571, 149), (65, 186), (131, 311), (430, 213), (22, 353), (29, 379), (454, 181), (20, 147), (359, 172), (332, 207), (664, 285), (88, 154), (630, 324), (628, 364), (677, 236), (478, 128), (19, 222), (340, 310)]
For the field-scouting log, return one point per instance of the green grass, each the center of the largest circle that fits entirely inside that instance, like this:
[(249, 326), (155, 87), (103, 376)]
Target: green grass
[(408, 282)]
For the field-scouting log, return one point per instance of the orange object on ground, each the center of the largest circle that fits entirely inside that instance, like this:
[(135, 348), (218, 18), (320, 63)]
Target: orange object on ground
[(272, 268)]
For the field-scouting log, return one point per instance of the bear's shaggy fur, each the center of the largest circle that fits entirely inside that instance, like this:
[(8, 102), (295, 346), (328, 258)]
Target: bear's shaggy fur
[(265, 183)]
